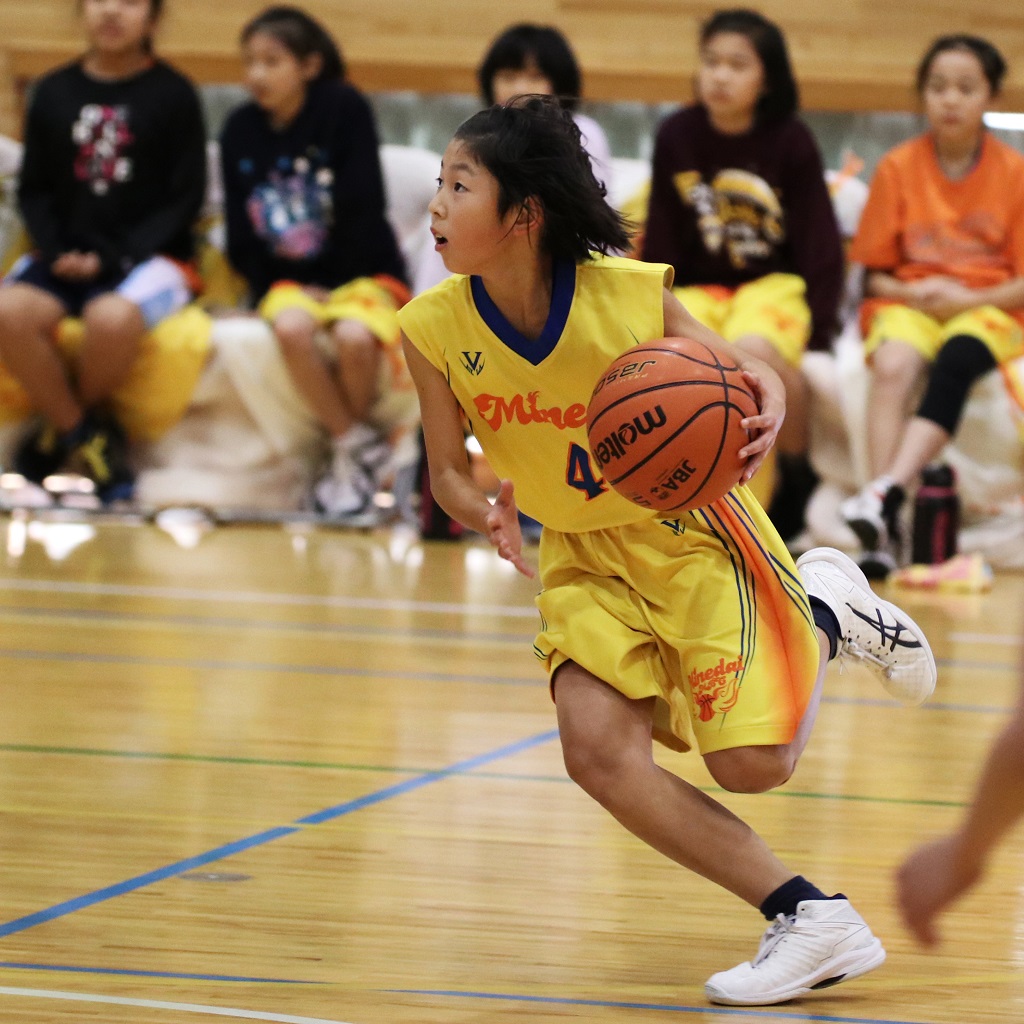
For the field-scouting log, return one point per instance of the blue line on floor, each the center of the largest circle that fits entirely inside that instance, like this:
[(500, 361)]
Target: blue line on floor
[(70, 969), (706, 1011), (262, 838)]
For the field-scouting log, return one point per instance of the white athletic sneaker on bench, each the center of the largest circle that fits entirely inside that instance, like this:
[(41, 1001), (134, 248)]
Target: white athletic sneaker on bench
[(874, 631), (824, 943)]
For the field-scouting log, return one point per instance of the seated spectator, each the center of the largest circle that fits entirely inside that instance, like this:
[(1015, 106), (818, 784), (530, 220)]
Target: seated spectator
[(112, 181), (538, 60), (740, 208), (942, 241), (524, 60), (306, 227)]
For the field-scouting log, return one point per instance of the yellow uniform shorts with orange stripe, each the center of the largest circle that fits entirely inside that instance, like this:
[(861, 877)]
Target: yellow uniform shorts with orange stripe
[(884, 320), (773, 307), (374, 304), (706, 613), (365, 300)]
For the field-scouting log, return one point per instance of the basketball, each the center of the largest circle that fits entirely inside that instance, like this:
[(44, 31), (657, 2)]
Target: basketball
[(664, 424)]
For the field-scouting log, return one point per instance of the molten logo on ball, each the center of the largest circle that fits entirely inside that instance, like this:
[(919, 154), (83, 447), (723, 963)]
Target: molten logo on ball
[(665, 424), (615, 444)]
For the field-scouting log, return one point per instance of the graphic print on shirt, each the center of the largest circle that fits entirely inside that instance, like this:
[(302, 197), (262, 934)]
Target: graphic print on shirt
[(293, 209), (102, 136), (976, 239), (738, 212)]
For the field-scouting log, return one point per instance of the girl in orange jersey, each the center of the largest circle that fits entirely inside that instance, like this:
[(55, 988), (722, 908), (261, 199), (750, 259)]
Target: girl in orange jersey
[(942, 238), (698, 631)]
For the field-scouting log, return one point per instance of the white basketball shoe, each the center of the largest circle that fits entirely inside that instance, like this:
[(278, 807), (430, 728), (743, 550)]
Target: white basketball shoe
[(823, 943), (874, 631)]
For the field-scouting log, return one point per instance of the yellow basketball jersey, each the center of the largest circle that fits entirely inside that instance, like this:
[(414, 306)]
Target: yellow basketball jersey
[(527, 400)]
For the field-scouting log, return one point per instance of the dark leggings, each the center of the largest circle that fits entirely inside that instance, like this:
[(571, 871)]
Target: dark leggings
[(960, 362)]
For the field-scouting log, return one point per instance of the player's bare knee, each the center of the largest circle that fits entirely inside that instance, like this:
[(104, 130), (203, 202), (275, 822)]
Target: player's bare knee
[(352, 336), (24, 310), (112, 315), (893, 366), (751, 769), (759, 346), (295, 331), (592, 768)]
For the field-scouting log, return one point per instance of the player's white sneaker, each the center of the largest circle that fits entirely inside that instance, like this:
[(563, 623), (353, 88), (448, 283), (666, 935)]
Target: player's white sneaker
[(880, 634), (863, 514), (824, 943), (345, 493)]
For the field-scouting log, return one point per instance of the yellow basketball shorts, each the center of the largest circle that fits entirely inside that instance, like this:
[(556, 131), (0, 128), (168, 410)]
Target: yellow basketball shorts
[(364, 300), (884, 320), (159, 387), (706, 613), (372, 302), (773, 307)]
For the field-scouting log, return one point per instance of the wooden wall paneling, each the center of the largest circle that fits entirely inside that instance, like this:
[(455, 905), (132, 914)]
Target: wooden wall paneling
[(643, 50)]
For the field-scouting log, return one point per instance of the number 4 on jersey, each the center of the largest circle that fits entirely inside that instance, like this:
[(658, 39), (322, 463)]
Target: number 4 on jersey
[(580, 474)]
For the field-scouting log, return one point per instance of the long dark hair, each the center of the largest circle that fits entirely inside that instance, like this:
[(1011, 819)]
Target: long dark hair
[(301, 35), (991, 60), (520, 44), (533, 148), (781, 97)]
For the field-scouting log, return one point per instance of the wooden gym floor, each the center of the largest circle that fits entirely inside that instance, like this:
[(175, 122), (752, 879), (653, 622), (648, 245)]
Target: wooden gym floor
[(276, 774)]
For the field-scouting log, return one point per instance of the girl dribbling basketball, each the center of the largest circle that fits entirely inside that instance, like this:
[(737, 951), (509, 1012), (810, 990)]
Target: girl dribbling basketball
[(695, 630)]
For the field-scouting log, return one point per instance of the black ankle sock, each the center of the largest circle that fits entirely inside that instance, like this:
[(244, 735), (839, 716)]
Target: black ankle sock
[(789, 894), (825, 619)]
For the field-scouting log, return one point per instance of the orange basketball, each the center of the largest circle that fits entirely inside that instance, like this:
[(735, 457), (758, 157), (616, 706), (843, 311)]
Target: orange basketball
[(664, 424)]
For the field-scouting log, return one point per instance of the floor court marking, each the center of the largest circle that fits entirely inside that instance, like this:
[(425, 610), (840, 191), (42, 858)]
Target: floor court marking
[(442, 677), (267, 666), (147, 618), (445, 635), (210, 623), (707, 1010), (172, 975), (159, 1004), (523, 611), (269, 835), (328, 766)]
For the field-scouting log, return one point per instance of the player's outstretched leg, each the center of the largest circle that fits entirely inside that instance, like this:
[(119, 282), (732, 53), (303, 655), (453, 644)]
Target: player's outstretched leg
[(874, 631), (823, 943)]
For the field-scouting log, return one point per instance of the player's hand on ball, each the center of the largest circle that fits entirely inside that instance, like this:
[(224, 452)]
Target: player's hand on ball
[(770, 393), (503, 529)]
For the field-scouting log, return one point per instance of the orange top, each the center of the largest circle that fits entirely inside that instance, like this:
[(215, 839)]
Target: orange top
[(917, 223)]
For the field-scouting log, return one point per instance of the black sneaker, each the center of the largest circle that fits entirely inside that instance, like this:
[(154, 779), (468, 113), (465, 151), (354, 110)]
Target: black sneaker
[(41, 454), (877, 564), (797, 481), (100, 452)]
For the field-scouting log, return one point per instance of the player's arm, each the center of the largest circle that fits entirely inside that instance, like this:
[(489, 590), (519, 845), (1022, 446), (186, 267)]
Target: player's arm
[(938, 873), (764, 381), (451, 476)]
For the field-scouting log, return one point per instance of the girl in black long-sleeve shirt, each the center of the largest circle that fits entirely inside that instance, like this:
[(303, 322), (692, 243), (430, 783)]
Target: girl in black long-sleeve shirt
[(112, 180), (305, 209)]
